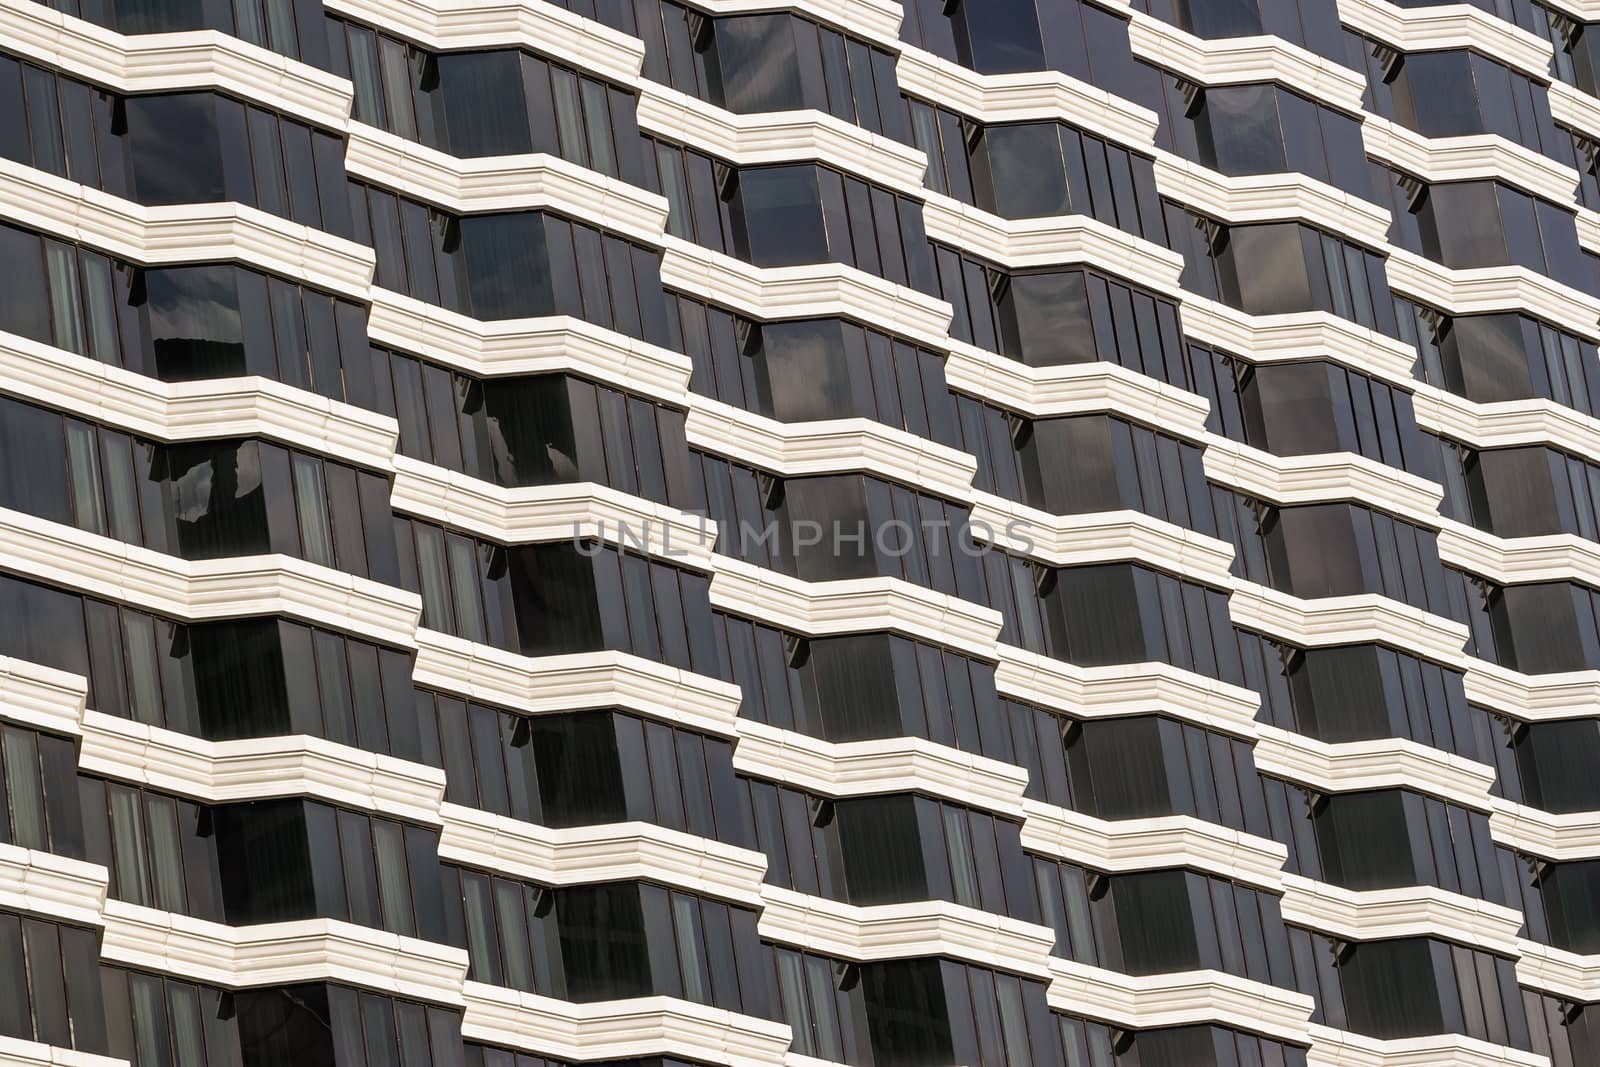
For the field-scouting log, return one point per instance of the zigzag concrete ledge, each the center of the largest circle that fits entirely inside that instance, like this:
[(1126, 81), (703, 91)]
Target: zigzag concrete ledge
[(799, 532)]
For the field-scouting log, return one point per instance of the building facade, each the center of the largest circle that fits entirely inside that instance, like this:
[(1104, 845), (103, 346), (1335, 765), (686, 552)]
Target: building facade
[(979, 532)]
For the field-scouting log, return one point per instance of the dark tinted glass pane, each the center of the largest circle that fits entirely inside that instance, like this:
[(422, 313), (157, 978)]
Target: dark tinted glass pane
[(1270, 266), (173, 149), (760, 71), (24, 300), (1242, 123), (507, 269), (483, 102), (1029, 179), (783, 216)]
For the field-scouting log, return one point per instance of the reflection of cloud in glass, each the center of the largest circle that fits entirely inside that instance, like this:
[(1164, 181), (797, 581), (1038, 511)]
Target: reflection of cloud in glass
[(198, 303), (1028, 177), (1271, 267), (759, 67), (1052, 318), (1243, 120), (192, 492), (247, 471), (807, 372), (783, 212), (504, 456)]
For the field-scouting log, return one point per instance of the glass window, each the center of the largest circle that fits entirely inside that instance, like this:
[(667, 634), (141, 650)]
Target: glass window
[(1044, 319), (1461, 225), (25, 302), (1270, 267), (44, 120), (66, 309), (1239, 131), (507, 268), (316, 542), (1434, 94), (483, 103), (783, 216), (173, 150), (1027, 170), (33, 462), (195, 329), (1213, 19), (759, 65), (1004, 36)]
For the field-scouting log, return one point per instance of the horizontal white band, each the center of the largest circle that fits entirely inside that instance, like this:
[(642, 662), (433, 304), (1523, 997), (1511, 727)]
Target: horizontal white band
[(781, 137), (1244, 60), (1412, 911), (1030, 96), (816, 290), (1450, 27), (193, 59), (1183, 999)]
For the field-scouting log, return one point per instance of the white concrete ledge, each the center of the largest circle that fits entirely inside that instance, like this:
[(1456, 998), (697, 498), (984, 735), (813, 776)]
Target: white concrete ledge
[(551, 685), (1450, 26), (1053, 241), (813, 290), (905, 931), (621, 1029), (560, 512), (589, 855), (206, 589), (1571, 106), (1244, 60), (1347, 620), (781, 137), (1300, 336), (196, 59), (1556, 557), (1240, 199), (504, 183), (197, 410), (1484, 289), (1570, 976), (1468, 158), (40, 696), (1506, 423), (460, 25), (14, 1052), (510, 347), (43, 883), (1186, 998), (1076, 389), (1532, 697), (1153, 844), (1383, 763), (1320, 478), (240, 957), (1413, 911), (796, 449), (222, 772), (1122, 690), (874, 20), (1100, 537), (854, 605), (1338, 1048), (1030, 96), (183, 233), (1588, 223), (872, 768), (1558, 837)]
